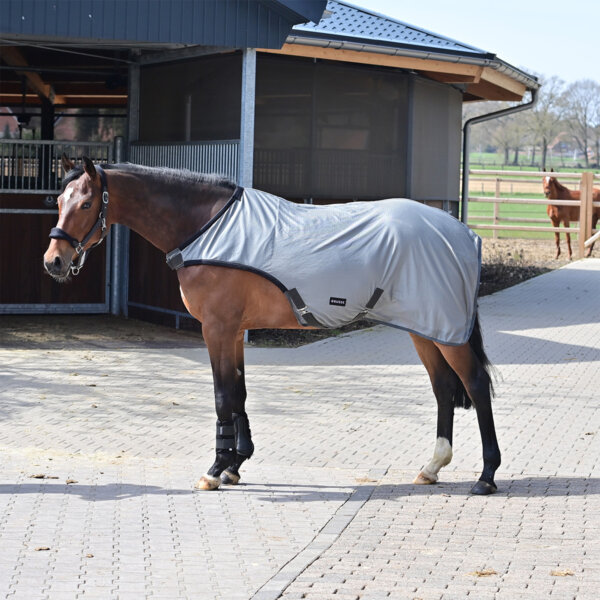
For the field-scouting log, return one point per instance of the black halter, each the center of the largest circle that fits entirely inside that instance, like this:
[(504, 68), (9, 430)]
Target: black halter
[(60, 234)]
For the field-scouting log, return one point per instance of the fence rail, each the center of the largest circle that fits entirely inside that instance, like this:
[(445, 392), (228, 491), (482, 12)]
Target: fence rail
[(584, 181), (34, 166), (219, 156)]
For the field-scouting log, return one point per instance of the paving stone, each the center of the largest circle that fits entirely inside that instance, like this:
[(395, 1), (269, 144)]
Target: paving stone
[(326, 506)]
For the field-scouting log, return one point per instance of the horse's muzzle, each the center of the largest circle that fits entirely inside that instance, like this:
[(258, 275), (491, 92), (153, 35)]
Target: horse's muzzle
[(57, 267)]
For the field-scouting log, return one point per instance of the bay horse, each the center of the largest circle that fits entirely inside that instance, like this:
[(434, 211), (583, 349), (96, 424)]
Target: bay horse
[(554, 190), (167, 207)]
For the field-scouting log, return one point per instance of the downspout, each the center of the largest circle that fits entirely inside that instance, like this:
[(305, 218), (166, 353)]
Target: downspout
[(464, 211)]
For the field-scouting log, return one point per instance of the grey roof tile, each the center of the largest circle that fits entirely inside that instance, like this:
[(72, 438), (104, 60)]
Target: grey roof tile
[(345, 21)]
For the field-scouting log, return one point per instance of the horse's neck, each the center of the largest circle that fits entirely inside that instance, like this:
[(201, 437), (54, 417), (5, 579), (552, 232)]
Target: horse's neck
[(562, 192), (165, 217)]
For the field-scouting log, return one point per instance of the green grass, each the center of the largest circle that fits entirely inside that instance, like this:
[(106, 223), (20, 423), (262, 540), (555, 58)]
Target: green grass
[(495, 162)]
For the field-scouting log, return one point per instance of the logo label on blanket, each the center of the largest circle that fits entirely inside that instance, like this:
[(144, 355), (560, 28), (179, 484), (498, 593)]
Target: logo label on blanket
[(337, 301)]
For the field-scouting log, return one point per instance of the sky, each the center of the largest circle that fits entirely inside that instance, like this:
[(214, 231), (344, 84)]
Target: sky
[(548, 37)]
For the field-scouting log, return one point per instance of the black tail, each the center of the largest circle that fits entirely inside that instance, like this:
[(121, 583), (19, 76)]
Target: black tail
[(461, 398)]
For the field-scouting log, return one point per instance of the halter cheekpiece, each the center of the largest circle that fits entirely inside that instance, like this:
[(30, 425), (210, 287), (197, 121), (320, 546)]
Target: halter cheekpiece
[(57, 233)]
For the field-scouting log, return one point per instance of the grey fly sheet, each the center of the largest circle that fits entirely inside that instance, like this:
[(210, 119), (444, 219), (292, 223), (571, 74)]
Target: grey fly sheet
[(394, 261)]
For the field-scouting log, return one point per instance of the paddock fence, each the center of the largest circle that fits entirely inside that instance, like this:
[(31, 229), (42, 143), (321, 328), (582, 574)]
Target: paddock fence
[(509, 191)]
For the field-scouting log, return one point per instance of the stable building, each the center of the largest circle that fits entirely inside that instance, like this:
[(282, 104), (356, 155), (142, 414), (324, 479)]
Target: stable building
[(318, 102)]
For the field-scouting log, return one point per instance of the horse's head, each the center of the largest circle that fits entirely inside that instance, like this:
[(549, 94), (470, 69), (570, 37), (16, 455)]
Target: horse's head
[(81, 219), (549, 184)]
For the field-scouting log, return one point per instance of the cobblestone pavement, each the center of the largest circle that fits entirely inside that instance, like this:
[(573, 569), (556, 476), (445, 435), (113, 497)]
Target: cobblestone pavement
[(100, 445)]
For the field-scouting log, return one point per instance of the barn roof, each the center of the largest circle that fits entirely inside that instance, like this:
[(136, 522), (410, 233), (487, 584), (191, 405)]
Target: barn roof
[(235, 23), (344, 21), (355, 34)]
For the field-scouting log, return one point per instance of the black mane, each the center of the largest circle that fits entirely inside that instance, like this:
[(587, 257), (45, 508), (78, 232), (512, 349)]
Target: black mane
[(161, 174)]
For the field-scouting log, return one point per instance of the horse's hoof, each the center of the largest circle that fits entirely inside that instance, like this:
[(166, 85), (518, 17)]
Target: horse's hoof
[(425, 479), (229, 478), (483, 488), (207, 482)]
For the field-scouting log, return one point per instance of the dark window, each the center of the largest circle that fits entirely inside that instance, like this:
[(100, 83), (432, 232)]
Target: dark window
[(209, 86), (328, 131)]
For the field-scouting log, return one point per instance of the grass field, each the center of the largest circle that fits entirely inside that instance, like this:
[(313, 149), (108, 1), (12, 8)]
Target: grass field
[(488, 160)]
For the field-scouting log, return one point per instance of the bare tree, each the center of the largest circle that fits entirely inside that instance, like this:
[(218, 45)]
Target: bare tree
[(581, 109), (545, 119)]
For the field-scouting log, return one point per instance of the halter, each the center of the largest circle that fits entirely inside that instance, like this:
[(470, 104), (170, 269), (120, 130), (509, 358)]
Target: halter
[(57, 233)]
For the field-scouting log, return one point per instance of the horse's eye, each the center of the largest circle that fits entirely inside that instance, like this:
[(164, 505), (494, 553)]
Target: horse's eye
[(86, 205)]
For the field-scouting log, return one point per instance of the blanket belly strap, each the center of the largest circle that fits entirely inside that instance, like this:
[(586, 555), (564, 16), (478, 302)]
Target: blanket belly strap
[(370, 305), (307, 319), (304, 316)]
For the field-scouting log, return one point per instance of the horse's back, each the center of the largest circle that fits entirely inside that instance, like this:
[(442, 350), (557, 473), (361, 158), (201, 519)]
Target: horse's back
[(395, 260)]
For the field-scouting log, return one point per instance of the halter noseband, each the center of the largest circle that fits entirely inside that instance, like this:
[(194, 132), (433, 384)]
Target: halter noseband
[(57, 233)]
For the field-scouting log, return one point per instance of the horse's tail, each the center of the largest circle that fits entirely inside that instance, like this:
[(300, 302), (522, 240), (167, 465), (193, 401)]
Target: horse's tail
[(461, 398)]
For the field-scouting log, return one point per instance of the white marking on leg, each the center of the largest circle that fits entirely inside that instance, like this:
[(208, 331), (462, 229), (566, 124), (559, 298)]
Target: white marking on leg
[(208, 482), (442, 455)]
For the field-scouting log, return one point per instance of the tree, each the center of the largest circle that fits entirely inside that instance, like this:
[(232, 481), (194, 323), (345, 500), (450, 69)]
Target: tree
[(581, 109), (545, 120)]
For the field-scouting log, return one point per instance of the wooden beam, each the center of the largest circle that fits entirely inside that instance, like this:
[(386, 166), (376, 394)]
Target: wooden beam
[(15, 100), (453, 77), (488, 91), (496, 84), (14, 58), (501, 80), (374, 58)]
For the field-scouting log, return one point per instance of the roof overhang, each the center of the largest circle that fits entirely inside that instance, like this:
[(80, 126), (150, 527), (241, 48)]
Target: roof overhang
[(75, 53), (481, 78)]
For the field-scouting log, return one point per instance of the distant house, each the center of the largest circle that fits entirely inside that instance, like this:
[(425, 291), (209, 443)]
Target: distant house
[(315, 105)]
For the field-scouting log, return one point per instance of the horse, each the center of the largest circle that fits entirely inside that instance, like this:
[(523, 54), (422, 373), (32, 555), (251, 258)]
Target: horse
[(553, 190), (170, 207)]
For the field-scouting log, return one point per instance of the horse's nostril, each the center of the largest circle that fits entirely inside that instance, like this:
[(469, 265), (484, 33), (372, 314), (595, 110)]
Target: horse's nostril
[(57, 263)]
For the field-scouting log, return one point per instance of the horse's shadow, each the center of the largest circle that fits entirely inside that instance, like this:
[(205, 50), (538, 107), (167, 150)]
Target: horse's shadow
[(523, 487)]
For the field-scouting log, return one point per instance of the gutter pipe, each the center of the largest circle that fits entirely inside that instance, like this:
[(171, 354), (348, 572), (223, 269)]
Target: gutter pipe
[(464, 212)]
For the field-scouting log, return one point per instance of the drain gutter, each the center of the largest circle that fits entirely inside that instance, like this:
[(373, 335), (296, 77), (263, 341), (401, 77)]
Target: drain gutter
[(464, 211)]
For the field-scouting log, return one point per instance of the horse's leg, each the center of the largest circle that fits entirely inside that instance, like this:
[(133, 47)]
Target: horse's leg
[(220, 339), (445, 384), (556, 223), (568, 236), (243, 437), (476, 381)]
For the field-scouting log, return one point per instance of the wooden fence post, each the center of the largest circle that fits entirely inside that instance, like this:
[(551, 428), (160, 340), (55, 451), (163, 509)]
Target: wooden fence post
[(496, 207), (585, 210)]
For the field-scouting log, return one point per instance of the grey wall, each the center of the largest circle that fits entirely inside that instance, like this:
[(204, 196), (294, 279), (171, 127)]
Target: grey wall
[(212, 83), (435, 138)]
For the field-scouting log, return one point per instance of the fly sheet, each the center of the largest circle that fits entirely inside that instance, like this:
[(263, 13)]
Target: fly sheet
[(394, 261)]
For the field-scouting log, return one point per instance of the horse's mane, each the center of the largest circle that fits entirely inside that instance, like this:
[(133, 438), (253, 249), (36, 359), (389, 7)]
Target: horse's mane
[(160, 174), (557, 183)]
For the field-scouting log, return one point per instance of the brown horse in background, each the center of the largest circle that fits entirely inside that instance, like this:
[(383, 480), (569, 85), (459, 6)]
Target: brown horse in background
[(553, 190)]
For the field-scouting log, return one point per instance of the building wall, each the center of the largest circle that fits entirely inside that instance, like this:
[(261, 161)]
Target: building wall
[(330, 131), (435, 142), (212, 87)]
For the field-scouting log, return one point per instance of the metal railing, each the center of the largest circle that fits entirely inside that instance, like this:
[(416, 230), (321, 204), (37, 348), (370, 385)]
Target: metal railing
[(218, 156), (34, 166)]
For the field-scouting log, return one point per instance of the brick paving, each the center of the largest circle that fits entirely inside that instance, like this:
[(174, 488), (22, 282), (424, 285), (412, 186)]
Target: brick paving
[(118, 433)]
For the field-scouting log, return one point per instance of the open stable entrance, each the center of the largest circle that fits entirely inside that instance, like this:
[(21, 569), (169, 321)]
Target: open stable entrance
[(30, 180)]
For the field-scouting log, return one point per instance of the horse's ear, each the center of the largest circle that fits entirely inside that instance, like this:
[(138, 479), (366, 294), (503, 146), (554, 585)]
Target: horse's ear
[(552, 170), (67, 163), (89, 167)]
